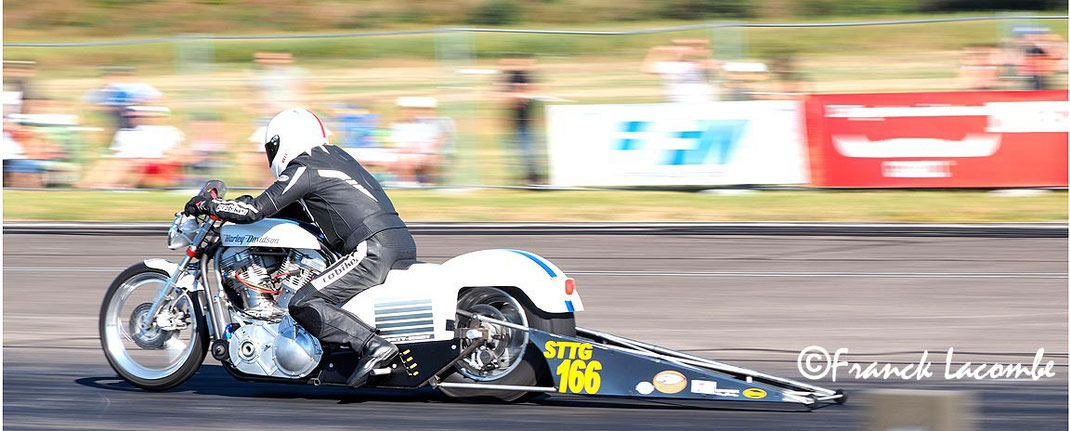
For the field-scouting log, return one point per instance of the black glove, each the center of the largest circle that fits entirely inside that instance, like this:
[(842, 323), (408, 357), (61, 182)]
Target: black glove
[(197, 205)]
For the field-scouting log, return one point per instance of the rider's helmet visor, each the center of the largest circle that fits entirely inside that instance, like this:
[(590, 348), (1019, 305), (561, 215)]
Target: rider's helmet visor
[(271, 147)]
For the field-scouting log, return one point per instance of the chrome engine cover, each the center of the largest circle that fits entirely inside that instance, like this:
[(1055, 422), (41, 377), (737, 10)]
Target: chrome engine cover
[(280, 349)]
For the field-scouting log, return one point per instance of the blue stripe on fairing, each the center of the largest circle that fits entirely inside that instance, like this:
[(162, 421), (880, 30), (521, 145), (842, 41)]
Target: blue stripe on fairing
[(568, 305), (544, 266)]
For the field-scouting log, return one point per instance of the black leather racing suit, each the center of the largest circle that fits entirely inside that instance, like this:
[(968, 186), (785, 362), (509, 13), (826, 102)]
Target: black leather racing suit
[(359, 222)]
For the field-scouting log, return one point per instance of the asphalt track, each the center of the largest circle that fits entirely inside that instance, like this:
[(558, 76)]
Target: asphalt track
[(751, 300)]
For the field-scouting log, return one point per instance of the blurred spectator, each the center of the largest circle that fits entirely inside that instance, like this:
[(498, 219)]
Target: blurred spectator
[(357, 126), (20, 169), (278, 84), (424, 141), (208, 148), (1040, 56), (1054, 46), (1032, 57), (41, 145), (684, 68), (741, 79), (253, 157), (19, 85), (788, 81), (979, 67), (120, 91), (520, 99), (147, 154)]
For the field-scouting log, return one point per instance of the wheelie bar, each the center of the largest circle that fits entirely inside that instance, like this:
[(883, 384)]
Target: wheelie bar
[(603, 364)]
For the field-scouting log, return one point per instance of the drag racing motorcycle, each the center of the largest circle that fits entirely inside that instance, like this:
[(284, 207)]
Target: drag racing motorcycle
[(488, 325)]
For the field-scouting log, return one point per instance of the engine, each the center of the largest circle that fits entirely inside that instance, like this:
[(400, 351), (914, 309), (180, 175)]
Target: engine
[(281, 349), (260, 282)]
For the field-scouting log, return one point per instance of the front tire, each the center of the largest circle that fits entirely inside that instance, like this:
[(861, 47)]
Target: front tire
[(154, 359), (529, 368)]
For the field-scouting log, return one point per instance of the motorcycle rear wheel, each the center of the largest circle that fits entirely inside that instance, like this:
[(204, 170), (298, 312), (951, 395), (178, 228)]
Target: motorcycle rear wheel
[(137, 358), (529, 368)]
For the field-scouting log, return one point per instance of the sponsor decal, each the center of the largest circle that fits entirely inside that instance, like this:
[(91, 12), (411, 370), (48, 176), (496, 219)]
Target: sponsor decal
[(231, 208), (644, 388), (917, 168), (934, 140), (578, 373), (706, 142), (568, 350), (670, 382), (734, 393), (973, 145), (284, 178), (703, 387), (754, 393), (707, 387), (1001, 117), (752, 142), (400, 338), (342, 268)]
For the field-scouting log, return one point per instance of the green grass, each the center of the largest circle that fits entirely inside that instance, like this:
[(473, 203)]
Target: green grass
[(518, 205), (761, 42)]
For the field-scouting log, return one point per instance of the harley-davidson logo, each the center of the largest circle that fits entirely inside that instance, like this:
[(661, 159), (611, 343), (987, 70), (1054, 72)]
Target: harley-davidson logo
[(249, 240)]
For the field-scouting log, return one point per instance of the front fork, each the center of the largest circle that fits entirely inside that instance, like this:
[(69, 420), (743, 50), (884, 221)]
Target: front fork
[(172, 290)]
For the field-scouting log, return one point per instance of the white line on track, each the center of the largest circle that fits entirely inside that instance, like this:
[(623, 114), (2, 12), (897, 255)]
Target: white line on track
[(60, 269), (1056, 275), (729, 274)]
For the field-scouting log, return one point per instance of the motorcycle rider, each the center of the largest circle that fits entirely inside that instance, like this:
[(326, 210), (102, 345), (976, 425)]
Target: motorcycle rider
[(354, 214)]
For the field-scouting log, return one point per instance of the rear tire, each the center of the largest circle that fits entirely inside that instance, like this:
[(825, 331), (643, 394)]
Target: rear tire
[(530, 371)]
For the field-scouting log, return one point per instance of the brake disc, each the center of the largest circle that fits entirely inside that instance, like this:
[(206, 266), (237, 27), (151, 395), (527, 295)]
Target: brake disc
[(150, 339)]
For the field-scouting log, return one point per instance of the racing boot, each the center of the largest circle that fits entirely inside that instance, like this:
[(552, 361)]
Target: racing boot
[(376, 353)]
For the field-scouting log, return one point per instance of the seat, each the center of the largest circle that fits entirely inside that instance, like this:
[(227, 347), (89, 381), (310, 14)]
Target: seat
[(404, 264)]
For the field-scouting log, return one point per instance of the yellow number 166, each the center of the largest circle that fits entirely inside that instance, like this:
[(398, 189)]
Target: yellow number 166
[(579, 376)]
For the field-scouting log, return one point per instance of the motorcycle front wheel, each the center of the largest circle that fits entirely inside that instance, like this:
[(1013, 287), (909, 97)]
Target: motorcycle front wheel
[(163, 354)]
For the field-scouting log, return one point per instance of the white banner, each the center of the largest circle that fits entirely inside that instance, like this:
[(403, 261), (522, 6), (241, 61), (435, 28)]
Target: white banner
[(717, 143)]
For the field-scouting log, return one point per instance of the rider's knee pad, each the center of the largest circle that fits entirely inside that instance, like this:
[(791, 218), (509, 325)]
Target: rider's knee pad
[(307, 316)]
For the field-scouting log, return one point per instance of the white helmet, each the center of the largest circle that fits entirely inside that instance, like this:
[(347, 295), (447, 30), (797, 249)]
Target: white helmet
[(291, 133)]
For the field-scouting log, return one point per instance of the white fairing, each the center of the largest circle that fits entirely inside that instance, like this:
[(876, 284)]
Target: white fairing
[(268, 233), (415, 303)]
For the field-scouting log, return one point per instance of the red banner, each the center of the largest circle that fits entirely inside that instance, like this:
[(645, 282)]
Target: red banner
[(963, 139)]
